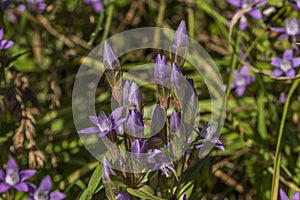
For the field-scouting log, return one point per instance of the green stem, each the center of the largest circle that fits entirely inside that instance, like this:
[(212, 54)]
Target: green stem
[(110, 12), (275, 179)]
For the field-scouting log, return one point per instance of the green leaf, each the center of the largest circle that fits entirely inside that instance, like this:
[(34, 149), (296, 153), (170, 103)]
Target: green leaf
[(144, 192)]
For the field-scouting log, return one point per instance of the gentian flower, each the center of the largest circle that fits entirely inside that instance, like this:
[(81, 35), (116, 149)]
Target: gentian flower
[(134, 123), (110, 58), (177, 79), (15, 179), (139, 146), (5, 4), (295, 4), (240, 80), (291, 28), (132, 96), (284, 196), (4, 44), (158, 160), (97, 5), (181, 39), (162, 71), (286, 65), (254, 12), (43, 191), (208, 134), (105, 124), (106, 170), (175, 123), (123, 196)]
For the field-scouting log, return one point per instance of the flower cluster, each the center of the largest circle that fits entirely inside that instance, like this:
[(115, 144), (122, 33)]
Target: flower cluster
[(17, 179), (125, 125)]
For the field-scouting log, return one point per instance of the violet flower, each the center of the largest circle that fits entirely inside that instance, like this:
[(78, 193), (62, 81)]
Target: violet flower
[(132, 96), (134, 123), (184, 197), (139, 146), (105, 124), (43, 191), (284, 196), (208, 134), (5, 4), (291, 28), (106, 170), (181, 39), (282, 98), (97, 5), (15, 179), (123, 196), (295, 4), (254, 12), (177, 80), (162, 71), (175, 123), (286, 65), (36, 5), (158, 160), (110, 58), (4, 44), (240, 80)]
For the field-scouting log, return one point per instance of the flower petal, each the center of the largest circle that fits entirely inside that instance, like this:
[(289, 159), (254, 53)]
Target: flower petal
[(255, 13), (288, 54), (2, 175), (290, 73), (98, 6), (277, 72), (116, 113), (94, 120), (89, 130), (1, 33), (282, 36), (26, 174), (240, 90), (21, 186), (12, 165), (296, 196), (282, 195), (296, 62), (46, 184), (243, 25), (244, 71), (5, 44), (57, 196), (236, 3), (4, 187), (278, 29), (276, 62)]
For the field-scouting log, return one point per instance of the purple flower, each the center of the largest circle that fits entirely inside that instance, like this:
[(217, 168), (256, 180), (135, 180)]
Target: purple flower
[(139, 146), (110, 59), (105, 124), (134, 123), (295, 3), (158, 160), (254, 12), (284, 196), (106, 170), (36, 5), (175, 123), (181, 39), (97, 5), (15, 179), (185, 197), (282, 98), (208, 134), (5, 4), (291, 28), (43, 191), (240, 80), (286, 65), (132, 95), (162, 71), (4, 44), (123, 196), (177, 78)]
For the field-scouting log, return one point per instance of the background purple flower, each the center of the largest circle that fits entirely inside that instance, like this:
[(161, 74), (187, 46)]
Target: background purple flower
[(43, 191), (284, 196), (97, 5), (295, 3), (5, 4), (291, 28), (4, 44), (36, 6), (254, 12), (286, 65), (240, 80), (13, 178)]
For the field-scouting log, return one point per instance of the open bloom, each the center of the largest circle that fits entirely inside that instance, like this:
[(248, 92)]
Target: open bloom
[(240, 80), (105, 124), (295, 3), (254, 12), (284, 196), (285, 65), (43, 191), (158, 160), (291, 28), (15, 179), (208, 134), (4, 44), (97, 5)]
